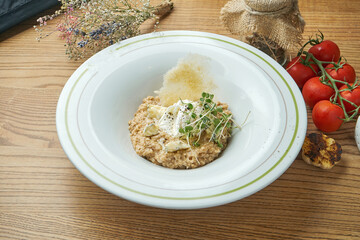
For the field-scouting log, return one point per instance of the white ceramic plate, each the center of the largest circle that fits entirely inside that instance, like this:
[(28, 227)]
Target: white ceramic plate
[(103, 94), (357, 133)]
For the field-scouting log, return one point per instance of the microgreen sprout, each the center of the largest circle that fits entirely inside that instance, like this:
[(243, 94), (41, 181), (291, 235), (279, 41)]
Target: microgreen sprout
[(207, 117)]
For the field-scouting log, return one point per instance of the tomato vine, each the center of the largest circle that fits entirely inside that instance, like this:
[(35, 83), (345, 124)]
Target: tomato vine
[(308, 58)]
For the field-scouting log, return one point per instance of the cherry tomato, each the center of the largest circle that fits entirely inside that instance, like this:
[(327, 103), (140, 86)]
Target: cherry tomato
[(353, 96), (346, 73), (314, 91), (327, 116), (299, 72), (326, 51)]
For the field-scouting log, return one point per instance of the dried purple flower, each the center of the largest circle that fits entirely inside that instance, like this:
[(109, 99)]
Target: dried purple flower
[(89, 26)]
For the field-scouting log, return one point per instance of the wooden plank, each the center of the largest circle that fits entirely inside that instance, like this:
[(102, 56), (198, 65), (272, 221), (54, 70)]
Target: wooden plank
[(43, 196)]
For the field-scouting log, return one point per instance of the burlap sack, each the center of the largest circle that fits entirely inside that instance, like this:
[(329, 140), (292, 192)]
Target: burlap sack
[(274, 26)]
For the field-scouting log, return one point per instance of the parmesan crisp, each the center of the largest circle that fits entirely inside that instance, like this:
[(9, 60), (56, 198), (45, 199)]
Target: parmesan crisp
[(187, 80)]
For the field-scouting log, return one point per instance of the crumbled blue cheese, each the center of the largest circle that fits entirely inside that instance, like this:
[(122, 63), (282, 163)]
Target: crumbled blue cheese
[(170, 120), (151, 130), (176, 145), (155, 111)]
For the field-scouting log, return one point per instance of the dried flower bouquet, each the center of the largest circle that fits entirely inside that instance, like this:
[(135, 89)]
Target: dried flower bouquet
[(88, 26)]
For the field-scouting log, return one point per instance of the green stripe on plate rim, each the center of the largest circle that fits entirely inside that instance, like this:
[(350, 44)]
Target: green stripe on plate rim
[(186, 198)]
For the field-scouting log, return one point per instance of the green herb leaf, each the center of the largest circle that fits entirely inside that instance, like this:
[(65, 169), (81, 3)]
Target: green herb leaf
[(217, 130), (188, 128)]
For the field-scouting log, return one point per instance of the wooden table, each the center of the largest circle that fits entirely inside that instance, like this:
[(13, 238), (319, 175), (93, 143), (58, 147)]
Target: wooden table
[(43, 196)]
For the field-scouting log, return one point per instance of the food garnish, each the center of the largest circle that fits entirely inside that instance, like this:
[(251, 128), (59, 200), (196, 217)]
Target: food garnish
[(210, 119), (187, 80), (191, 120)]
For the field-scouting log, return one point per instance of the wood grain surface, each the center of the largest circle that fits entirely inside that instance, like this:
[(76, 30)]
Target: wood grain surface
[(43, 196)]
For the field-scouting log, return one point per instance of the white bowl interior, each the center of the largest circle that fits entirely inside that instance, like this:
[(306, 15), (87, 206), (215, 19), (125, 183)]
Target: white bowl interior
[(122, 86)]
